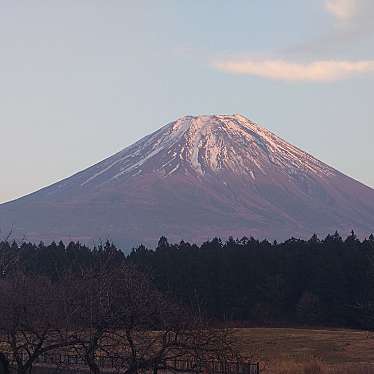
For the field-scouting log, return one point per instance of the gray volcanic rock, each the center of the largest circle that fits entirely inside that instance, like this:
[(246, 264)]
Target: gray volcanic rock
[(193, 179)]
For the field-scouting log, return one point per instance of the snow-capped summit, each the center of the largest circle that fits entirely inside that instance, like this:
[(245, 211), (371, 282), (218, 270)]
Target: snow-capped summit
[(195, 178), (211, 145)]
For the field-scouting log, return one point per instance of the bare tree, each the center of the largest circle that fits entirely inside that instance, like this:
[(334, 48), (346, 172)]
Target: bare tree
[(130, 323), (104, 313), (31, 322)]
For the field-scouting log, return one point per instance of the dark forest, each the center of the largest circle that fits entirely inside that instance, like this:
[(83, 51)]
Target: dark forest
[(315, 282)]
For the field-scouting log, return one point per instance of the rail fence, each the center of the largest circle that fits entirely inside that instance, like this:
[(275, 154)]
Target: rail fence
[(115, 364)]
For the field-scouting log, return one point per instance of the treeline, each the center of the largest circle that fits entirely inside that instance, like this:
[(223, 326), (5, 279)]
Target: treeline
[(316, 282), (327, 282), (55, 259)]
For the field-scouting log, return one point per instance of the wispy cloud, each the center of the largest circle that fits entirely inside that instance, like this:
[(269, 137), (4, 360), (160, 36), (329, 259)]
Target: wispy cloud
[(342, 10), (316, 60), (354, 16), (352, 26), (318, 71)]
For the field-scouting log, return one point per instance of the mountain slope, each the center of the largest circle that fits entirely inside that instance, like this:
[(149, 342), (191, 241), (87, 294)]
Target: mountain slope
[(193, 179)]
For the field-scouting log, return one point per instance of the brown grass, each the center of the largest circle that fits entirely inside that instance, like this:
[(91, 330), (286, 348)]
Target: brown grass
[(309, 351), (316, 367)]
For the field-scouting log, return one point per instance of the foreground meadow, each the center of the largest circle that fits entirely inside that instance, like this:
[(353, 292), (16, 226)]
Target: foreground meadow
[(290, 350)]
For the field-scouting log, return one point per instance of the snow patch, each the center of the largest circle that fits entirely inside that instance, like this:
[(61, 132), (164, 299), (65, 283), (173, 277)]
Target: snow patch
[(211, 144)]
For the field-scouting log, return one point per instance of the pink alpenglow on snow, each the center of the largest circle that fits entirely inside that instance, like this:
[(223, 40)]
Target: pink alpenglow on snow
[(196, 178)]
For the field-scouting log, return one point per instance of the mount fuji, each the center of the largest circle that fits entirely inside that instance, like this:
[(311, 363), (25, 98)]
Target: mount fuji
[(196, 178)]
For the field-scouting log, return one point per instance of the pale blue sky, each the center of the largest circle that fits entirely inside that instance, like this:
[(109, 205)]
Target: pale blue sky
[(80, 80)]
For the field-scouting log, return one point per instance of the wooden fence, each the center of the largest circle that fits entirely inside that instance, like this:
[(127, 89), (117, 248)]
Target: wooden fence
[(115, 364)]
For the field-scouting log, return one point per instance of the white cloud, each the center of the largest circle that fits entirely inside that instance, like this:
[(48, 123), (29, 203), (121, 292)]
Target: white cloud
[(343, 10), (319, 71), (353, 26), (354, 23)]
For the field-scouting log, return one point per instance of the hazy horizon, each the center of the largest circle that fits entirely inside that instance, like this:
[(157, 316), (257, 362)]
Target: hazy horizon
[(81, 81)]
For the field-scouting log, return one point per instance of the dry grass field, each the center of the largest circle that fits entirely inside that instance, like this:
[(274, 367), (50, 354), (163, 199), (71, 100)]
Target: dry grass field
[(284, 350)]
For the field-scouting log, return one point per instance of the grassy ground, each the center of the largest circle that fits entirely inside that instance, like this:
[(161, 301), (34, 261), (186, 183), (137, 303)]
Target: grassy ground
[(338, 349), (304, 351)]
